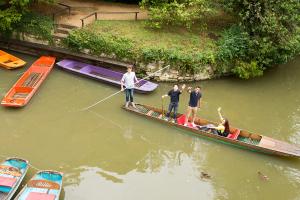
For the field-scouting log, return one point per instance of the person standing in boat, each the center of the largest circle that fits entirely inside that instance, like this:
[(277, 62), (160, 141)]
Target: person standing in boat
[(174, 101), (194, 104), (128, 80)]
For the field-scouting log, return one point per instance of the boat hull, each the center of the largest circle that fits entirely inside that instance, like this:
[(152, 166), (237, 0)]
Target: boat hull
[(103, 75), (9, 61), (24, 89), (293, 151), (16, 163), (45, 184)]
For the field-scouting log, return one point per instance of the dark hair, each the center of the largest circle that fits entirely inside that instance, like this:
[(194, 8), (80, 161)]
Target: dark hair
[(198, 87), (175, 84), (226, 125)]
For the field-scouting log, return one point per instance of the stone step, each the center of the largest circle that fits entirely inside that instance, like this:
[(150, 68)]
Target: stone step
[(59, 36), (62, 30), (67, 26)]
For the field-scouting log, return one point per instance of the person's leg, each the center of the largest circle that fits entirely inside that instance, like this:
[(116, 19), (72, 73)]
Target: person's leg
[(194, 110), (127, 97), (175, 111), (169, 110), (131, 97), (188, 113)]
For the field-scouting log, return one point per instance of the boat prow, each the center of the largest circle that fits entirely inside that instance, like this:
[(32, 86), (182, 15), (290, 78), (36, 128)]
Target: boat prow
[(24, 89), (9, 61), (237, 137)]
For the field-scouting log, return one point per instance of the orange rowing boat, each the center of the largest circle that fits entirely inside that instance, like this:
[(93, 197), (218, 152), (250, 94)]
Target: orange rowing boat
[(20, 94), (9, 61)]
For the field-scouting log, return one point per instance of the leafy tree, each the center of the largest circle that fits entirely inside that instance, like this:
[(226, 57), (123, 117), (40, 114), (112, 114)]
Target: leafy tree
[(13, 12), (272, 29)]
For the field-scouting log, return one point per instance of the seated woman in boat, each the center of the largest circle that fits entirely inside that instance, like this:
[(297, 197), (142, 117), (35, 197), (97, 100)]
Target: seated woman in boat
[(222, 129)]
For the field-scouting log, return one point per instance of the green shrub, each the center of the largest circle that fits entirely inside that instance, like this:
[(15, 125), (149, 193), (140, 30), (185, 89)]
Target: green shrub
[(122, 47), (247, 70), (41, 27), (97, 44), (178, 13)]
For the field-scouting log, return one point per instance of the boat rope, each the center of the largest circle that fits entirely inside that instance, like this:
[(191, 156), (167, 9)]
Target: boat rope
[(30, 165), (102, 100)]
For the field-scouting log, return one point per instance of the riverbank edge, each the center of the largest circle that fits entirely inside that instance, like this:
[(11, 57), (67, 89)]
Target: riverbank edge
[(61, 51)]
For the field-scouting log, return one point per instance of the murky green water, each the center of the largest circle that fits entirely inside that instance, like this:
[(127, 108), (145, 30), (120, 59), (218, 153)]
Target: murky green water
[(107, 153)]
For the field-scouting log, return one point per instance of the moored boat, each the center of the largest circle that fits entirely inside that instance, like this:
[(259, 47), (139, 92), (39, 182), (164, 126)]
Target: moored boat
[(9, 61), (12, 172), (44, 185), (23, 90), (104, 75), (237, 137)]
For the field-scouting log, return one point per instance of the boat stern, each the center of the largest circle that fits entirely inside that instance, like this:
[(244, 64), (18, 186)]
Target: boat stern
[(7, 102), (147, 87)]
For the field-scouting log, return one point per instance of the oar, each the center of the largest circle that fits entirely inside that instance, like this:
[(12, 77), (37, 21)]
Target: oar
[(162, 106)]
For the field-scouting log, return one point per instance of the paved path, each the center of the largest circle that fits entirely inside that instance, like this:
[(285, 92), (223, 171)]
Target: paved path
[(81, 9)]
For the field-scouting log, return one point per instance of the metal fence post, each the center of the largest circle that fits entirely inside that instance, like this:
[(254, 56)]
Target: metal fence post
[(136, 16)]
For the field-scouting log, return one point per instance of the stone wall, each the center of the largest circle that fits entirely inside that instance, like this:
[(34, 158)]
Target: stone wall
[(167, 75)]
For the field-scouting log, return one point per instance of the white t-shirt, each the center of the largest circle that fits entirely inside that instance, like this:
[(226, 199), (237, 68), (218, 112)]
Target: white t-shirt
[(128, 79)]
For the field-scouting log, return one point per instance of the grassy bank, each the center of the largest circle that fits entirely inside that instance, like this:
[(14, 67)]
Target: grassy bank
[(189, 51)]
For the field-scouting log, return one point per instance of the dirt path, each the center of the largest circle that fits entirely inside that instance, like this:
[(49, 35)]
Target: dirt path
[(81, 9)]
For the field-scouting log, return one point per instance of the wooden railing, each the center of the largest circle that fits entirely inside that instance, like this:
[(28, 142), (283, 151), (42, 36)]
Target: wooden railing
[(93, 14), (96, 14), (62, 10)]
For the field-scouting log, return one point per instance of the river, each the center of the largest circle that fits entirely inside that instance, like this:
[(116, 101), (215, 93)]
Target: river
[(108, 153)]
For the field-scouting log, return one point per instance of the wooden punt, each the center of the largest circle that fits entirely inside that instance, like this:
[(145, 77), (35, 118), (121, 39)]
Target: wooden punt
[(237, 137), (104, 75), (20, 94), (9, 61), (45, 185), (12, 172)]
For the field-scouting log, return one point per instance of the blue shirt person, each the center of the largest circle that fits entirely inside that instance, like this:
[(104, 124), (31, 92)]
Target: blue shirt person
[(174, 100), (194, 104)]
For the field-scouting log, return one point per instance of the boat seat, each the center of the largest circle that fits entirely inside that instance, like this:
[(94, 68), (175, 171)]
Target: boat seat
[(40, 196), (234, 135), (181, 120), (4, 169), (43, 184), (7, 181), (149, 112)]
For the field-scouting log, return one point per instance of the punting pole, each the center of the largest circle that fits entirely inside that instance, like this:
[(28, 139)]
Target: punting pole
[(102, 100), (162, 106)]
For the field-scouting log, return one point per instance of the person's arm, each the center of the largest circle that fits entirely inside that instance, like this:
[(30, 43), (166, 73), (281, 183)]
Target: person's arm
[(135, 78), (182, 88), (122, 82), (189, 89), (199, 103), (220, 114), (166, 95)]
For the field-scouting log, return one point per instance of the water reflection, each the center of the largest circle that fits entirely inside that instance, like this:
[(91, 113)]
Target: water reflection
[(160, 175)]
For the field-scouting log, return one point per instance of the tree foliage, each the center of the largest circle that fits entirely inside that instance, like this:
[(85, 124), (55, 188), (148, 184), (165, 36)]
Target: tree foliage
[(13, 12), (271, 32), (176, 12)]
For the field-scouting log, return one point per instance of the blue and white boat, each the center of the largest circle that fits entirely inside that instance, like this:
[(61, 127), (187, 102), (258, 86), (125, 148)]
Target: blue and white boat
[(12, 172), (45, 185)]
